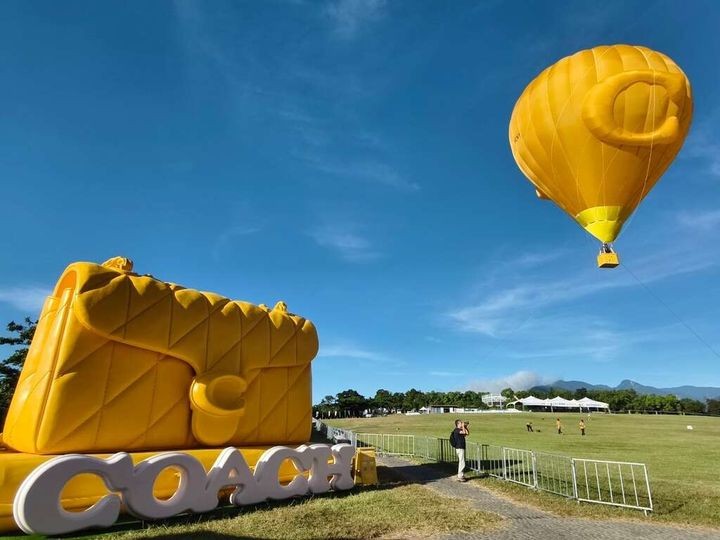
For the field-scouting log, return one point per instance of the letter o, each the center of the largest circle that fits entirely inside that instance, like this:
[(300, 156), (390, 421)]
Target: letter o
[(140, 498)]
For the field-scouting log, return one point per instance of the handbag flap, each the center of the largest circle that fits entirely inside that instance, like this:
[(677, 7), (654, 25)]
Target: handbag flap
[(207, 330)]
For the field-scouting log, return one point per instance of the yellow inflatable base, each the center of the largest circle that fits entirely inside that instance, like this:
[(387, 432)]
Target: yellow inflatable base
[(85, 490)]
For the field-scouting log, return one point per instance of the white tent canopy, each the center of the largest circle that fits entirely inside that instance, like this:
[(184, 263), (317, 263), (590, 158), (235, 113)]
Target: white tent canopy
[(587, 402), (561, 403)]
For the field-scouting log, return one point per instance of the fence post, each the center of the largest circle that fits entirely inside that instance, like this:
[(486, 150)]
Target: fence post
[(647, 485), (504, 466), (574, 481), (534, 469)]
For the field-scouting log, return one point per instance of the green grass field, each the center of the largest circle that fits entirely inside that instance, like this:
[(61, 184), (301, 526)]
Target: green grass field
[(391, 510), (683, 465)]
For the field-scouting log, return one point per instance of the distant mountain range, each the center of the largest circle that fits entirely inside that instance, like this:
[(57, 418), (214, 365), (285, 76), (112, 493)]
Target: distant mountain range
[(693, 392)]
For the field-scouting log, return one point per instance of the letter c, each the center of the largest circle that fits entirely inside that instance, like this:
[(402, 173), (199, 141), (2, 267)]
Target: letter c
[(37, 508), (597, 109)]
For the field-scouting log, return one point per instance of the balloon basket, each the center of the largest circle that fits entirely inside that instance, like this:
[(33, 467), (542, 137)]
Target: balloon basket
[(608, 260)]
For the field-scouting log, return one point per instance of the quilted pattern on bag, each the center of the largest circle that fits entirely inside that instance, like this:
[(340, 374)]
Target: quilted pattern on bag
[(115, 355)]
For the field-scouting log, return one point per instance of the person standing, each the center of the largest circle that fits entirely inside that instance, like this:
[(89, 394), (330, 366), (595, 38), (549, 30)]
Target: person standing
[(529, 427), (457, 440), (558, 425), (582, 427)]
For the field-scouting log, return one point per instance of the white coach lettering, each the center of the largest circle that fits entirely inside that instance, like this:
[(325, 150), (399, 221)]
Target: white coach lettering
[(37, 508), (266, 472), (246, 492), (340, 469), (139, 497)]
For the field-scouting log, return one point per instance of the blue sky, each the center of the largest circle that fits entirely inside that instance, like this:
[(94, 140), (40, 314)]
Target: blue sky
[(351, 158)]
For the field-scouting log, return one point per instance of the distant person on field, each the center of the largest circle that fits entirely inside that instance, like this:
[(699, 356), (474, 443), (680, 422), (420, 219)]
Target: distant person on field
[(582, 427), (558, 425), (457, 441), (529, 427)]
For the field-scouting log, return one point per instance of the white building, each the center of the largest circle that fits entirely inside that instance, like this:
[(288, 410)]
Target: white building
[(441, 409), (494, 400)]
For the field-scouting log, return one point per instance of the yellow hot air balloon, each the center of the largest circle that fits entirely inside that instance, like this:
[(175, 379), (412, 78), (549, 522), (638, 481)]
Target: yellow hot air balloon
[(595, 131)]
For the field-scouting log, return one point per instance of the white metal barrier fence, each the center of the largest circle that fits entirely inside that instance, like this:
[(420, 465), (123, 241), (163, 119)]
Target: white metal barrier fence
[(615, 483), (519, 466), (554, 473), (387, 443), (491, 461)]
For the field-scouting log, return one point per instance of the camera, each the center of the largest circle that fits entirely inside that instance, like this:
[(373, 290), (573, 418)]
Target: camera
[(466, 424)]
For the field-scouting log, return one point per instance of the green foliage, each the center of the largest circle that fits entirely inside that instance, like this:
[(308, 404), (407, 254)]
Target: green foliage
[(352, 403), (713, 406), (11, 367), (692, 406)]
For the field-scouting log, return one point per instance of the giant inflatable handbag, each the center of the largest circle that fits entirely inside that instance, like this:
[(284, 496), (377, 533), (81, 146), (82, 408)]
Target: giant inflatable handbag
[(122, 361)]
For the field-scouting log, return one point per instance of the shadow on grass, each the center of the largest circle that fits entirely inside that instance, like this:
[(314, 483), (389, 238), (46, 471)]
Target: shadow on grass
[(422, 473), (389, 479)]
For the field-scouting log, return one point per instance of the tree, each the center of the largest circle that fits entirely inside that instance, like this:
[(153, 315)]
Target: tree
[(327, 406), (351, 402), (713, 406), (508, 393), (382, 399), (471, 399), (11, 367), (692, 406), (414, 400)]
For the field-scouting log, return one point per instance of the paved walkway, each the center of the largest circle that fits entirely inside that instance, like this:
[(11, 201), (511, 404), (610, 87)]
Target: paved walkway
[(522, 522)]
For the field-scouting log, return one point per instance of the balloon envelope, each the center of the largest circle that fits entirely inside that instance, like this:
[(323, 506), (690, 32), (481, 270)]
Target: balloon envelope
[(595, 131)]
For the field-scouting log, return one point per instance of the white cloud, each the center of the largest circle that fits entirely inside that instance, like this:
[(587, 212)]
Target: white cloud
[(520, 380), (446, 373), (342, 239), (225, 239), (707, 220), (348, 17), (539, 258), (349, 351), (506, 311), (703, 144), (368, 170), (29, 299), (586, 339), (512, 301)]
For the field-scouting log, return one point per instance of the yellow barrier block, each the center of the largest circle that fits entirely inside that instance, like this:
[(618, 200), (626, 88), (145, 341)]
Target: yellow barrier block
[(365, 468)]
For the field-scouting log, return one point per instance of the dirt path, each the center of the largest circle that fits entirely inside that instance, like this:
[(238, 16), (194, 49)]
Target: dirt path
[(523, 522)]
